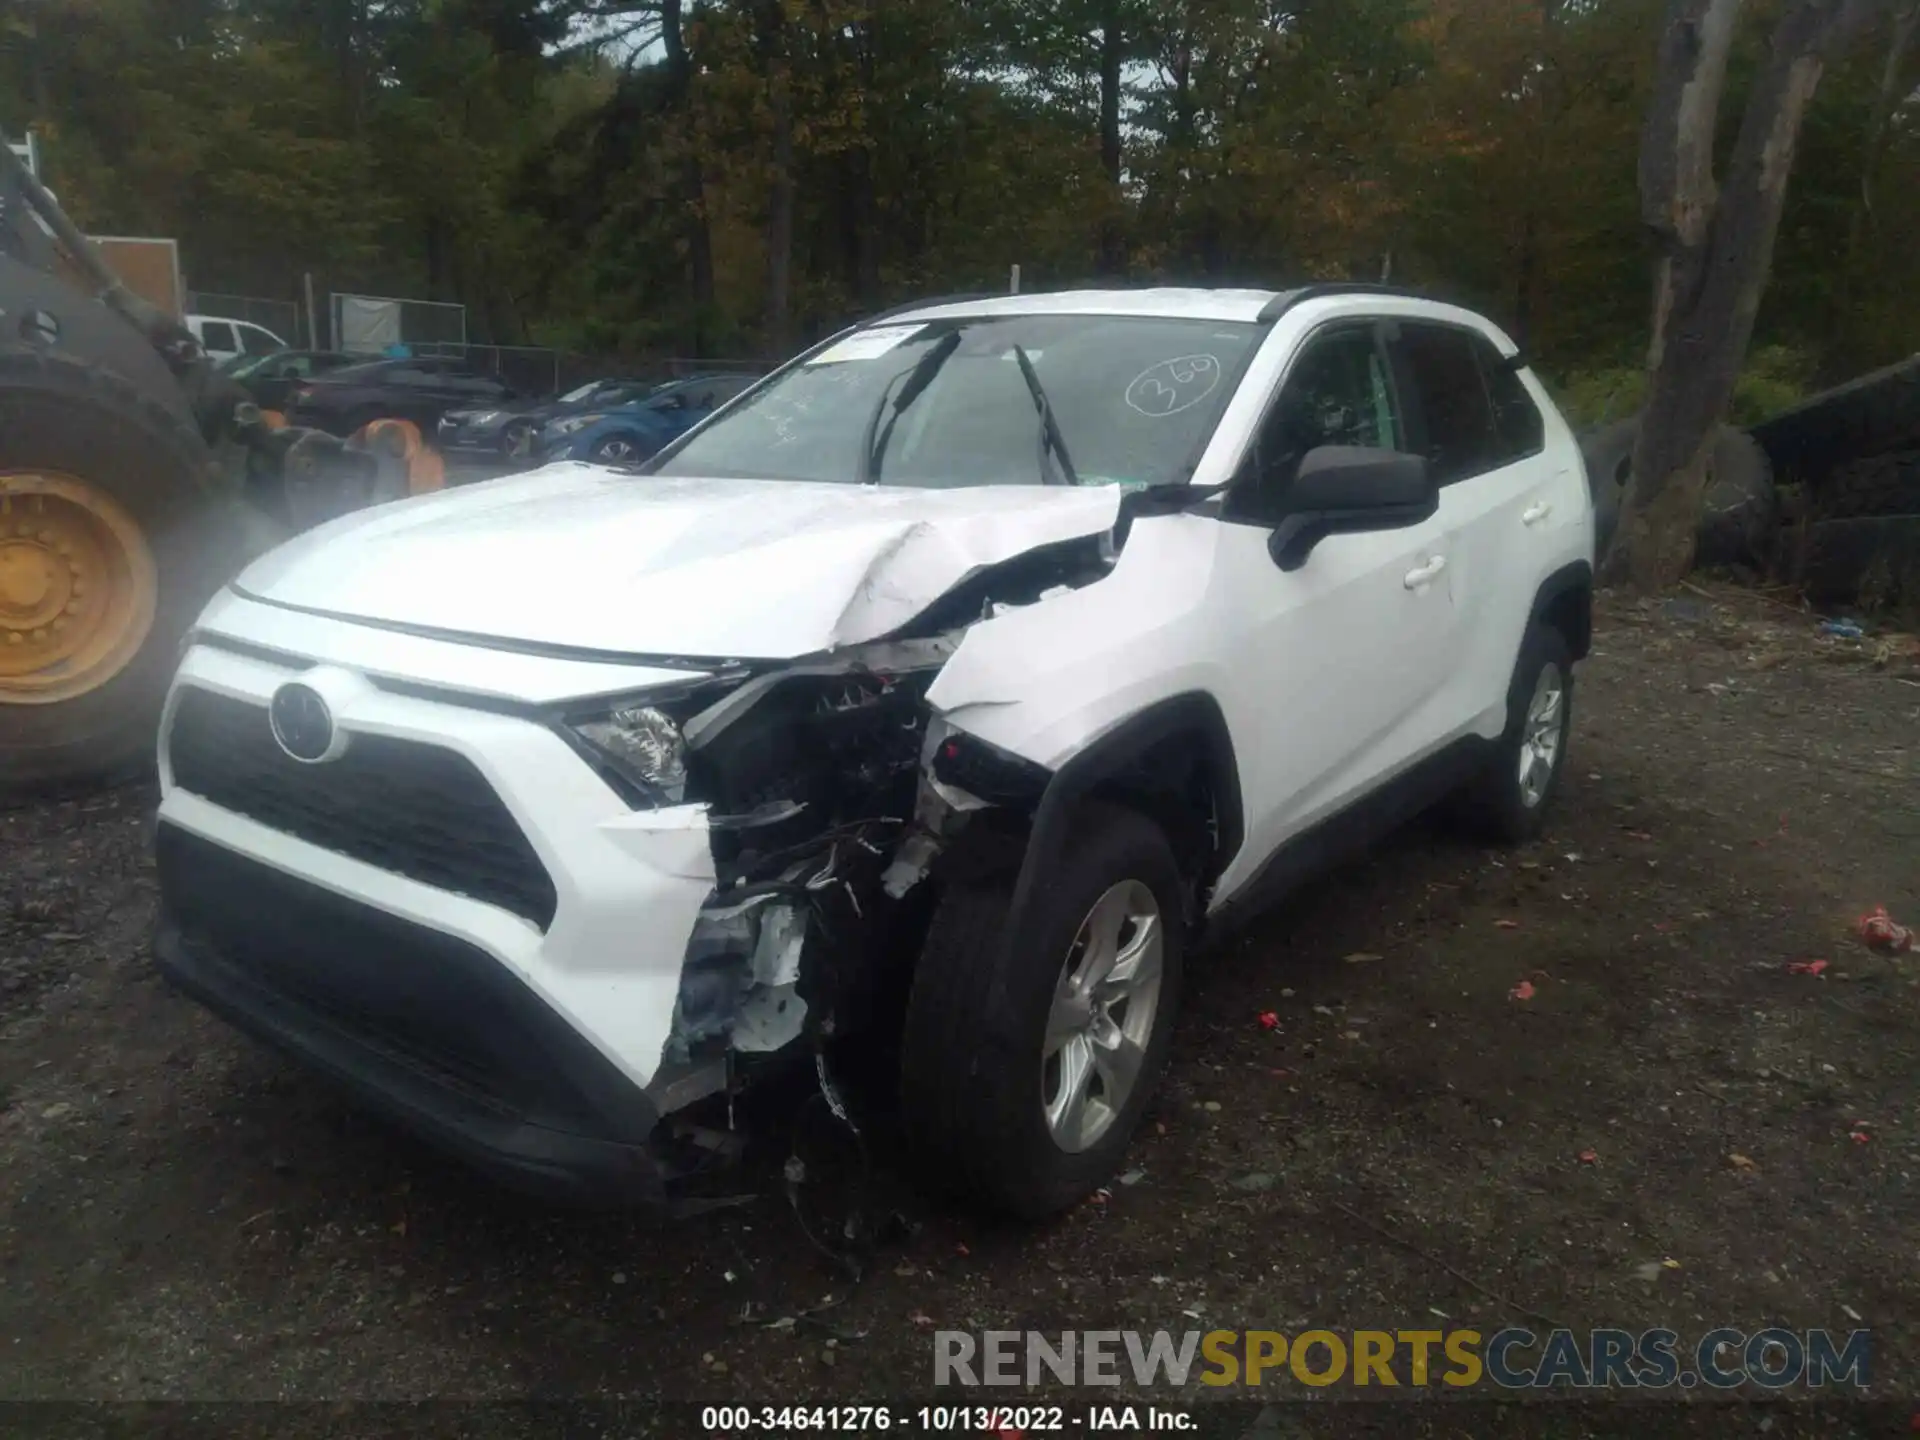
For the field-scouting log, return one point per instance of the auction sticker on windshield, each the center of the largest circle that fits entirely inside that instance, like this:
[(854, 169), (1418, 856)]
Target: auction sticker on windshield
[(867, 345)]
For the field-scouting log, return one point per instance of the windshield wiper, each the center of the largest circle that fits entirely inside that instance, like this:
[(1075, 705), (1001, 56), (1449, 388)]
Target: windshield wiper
[(873, 440), (1050, 436)]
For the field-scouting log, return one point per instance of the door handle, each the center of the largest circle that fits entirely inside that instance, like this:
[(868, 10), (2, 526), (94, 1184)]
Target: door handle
[(1425, 574), (1536, 513)]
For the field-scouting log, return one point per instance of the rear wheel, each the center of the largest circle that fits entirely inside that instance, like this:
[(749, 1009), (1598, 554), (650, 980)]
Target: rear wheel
[(111, 538), (1508, 802)]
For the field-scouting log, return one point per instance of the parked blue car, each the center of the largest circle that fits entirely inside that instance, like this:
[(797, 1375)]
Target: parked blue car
[(627, 434)]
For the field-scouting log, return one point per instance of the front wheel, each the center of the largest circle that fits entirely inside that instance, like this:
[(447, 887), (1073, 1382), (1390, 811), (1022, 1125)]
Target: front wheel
[(1028, 1060), (619, 450)]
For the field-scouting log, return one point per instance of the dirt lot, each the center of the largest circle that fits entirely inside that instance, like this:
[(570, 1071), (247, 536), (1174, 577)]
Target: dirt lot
[(182, 1215)]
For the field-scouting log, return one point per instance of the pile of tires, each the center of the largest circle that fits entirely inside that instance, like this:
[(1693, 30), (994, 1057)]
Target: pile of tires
[(1739, 516), (1864, 542)]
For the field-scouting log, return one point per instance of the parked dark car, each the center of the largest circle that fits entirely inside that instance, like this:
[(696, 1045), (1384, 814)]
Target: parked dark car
[(629, 433), (420, 389), (509, 430), (271, 379)]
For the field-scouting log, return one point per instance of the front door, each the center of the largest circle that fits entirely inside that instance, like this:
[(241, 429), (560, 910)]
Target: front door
[(1346, 657)]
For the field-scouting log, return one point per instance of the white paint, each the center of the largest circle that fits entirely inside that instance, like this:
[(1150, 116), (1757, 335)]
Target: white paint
[(583, 557), (629, 885)]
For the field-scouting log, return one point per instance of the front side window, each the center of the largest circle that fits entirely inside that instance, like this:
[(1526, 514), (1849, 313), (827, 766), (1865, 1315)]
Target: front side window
[(1337, 393), (218, 335), (949, 403)]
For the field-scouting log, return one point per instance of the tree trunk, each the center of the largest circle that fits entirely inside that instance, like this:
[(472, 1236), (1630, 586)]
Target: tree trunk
[(772, 38), (780, 216), (1113, 240), (1715, 250), (693, 188), (862, 200)]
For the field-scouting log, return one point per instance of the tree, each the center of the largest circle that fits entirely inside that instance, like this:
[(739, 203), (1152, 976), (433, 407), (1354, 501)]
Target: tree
[(1714, 245)]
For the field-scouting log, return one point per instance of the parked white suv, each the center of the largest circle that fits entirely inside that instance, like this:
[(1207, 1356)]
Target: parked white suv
[(931, 699)]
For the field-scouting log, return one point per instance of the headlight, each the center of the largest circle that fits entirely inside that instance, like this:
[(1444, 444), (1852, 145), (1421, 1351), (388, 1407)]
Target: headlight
[(454, 418), (574, 424), (643, 745)]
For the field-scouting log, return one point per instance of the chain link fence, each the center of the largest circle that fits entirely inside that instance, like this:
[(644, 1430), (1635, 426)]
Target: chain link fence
[(283, 317)]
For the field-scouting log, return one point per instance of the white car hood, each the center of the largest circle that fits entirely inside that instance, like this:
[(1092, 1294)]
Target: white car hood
[(580, 556)]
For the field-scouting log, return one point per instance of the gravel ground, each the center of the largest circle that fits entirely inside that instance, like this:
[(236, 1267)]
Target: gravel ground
[(183, 1216)]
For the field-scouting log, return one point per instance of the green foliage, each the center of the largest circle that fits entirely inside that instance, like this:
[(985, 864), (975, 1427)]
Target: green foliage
[(603, 175)]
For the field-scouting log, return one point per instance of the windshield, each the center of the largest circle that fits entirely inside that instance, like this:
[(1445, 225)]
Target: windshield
[(1134, 399)]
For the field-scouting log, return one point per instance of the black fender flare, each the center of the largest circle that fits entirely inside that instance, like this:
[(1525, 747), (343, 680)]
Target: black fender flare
[(1196, 714), (1567, 597)]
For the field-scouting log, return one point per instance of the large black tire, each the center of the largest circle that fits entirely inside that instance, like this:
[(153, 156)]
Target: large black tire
[(1497, 806), (1874, 486), (59, 414), (972, 1046), (1740, 510)]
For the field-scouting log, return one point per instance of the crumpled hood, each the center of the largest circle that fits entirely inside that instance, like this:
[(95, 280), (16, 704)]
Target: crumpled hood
[(585, 557)]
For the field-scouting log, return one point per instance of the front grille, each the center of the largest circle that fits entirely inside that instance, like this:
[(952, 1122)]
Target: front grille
[(418, 810)]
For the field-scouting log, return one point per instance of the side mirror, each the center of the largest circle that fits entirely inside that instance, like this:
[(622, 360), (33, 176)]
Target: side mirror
[(1346, 489)]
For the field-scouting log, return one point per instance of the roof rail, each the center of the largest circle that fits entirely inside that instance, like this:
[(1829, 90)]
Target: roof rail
[(1287, 299)]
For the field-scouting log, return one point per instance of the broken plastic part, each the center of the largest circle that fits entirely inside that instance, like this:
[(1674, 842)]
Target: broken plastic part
[(740, 979), (776, 956), (768, 1020), (910, 864)]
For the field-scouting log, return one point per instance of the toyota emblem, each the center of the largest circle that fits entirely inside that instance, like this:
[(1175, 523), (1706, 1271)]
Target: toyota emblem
[(303, 724)]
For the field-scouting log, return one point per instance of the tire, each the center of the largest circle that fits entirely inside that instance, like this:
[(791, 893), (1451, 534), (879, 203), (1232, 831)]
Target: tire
[(974, 1074), (1497, 805), (62, 417), (621, 450), (1875, 486), (1740, 509)]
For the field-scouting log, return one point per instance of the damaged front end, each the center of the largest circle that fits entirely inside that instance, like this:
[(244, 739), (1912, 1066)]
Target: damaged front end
[(826, 810), (833, 791)]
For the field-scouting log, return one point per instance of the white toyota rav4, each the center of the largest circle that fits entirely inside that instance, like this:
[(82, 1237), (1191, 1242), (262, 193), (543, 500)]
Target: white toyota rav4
[(933, 698)]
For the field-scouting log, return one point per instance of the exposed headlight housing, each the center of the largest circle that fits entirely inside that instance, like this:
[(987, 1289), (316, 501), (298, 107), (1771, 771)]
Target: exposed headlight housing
[(574, 424), (642, 746)]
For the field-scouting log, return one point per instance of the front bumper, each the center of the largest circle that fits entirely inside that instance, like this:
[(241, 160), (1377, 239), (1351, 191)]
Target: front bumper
[(371, 943), (419, 1026)]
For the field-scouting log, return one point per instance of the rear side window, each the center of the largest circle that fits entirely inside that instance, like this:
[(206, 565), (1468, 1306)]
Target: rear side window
[(1516, 419), (1444, 369)]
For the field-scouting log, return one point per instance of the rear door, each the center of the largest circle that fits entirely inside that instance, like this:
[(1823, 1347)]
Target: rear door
[(1340, 663), (1486, 442)]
